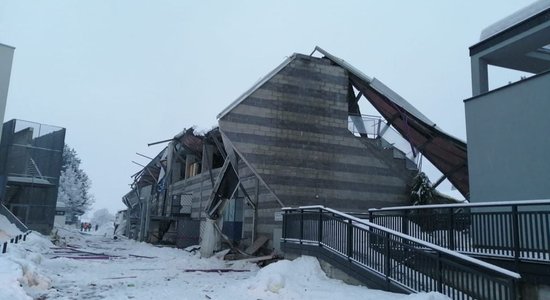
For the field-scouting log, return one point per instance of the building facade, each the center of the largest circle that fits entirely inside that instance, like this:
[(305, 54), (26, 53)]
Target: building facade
[(6, 59), (507, 127), (30, 166), (296, 138)]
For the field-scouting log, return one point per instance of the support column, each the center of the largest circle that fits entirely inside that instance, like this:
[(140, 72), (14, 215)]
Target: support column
[(480, 76)]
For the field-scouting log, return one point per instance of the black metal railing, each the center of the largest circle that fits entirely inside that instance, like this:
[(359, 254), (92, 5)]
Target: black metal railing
[(517, 230), (14, 240), (400, 260)]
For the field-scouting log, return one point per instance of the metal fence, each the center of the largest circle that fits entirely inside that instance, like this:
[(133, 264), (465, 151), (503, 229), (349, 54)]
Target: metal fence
[(519, 230), (375, 127), (401, 260)]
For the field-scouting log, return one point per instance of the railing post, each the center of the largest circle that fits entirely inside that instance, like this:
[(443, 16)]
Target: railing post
[(350, 239), (301, 225), (439, 273), (514, 290), (515, 232), (405, 222), (387, 271), (285, 221), (320, 230), (451, 232)]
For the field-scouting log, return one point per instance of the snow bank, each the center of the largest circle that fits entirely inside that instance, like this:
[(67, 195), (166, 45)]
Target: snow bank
[(10, 272), (303, 278), (19, 266), (7, 229), (27, 255)]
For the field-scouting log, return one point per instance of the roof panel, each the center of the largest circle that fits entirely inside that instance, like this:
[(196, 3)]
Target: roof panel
[(446, 152)]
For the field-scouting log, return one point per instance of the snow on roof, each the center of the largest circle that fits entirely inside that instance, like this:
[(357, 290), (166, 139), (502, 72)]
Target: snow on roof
[(515, 18)]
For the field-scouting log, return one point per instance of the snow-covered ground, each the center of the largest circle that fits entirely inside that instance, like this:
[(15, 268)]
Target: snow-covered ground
[(36, 269)]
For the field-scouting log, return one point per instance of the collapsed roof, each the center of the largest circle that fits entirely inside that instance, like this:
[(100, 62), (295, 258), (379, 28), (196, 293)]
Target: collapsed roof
[(445, 152)]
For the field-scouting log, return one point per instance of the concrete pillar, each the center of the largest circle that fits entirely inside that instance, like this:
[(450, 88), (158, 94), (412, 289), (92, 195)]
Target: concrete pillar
[(480, 76), (207, 157), (6, 59), (189, 160)]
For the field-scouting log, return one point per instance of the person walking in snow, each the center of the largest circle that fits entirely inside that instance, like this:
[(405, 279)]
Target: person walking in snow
[(96, 227)]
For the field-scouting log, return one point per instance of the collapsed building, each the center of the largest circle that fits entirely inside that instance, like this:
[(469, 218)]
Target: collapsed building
[(295, 138)]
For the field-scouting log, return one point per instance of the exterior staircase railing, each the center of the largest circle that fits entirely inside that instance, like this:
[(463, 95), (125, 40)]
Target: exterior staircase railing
[(394, 260), (376, 128), (518, 230), (12, 218)]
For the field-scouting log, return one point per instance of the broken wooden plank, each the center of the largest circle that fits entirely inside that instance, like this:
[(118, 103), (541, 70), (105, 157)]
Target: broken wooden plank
[(121, 277), (215, 270), (87, 257), (253, 259), (258, 243), (141, 256)]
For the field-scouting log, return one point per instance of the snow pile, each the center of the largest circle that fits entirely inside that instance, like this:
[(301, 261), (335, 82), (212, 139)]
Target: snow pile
[(20, 265), (7, 229), (289, 274), (10, 273), (106, 229), (27, 255), (303, 278)]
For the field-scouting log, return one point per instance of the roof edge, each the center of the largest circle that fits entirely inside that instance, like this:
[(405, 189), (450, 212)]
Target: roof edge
[(503, 35), (386, 91), (12, 47), (256, 86), (507, 86), (343, 64)]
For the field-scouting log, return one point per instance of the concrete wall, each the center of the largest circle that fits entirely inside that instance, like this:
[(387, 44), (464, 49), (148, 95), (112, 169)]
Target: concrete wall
[(508, 142), (292, 135), (293, 132), (200, 186), (6, 58), (263, 220)]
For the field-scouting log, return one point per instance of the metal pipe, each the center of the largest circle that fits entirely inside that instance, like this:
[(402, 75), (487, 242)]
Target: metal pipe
[(144, 156), (159, 142)]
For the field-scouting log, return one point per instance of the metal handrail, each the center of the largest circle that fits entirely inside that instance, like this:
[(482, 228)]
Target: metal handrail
[(466, 205), (406, 261), (512, 230), (397, 141)]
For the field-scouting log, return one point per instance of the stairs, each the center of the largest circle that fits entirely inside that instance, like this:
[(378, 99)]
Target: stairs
[(393, 157), (12, 218), (386, 259)]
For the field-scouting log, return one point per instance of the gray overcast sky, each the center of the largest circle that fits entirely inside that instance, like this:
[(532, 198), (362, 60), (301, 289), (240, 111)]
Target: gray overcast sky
[(121, 74)]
